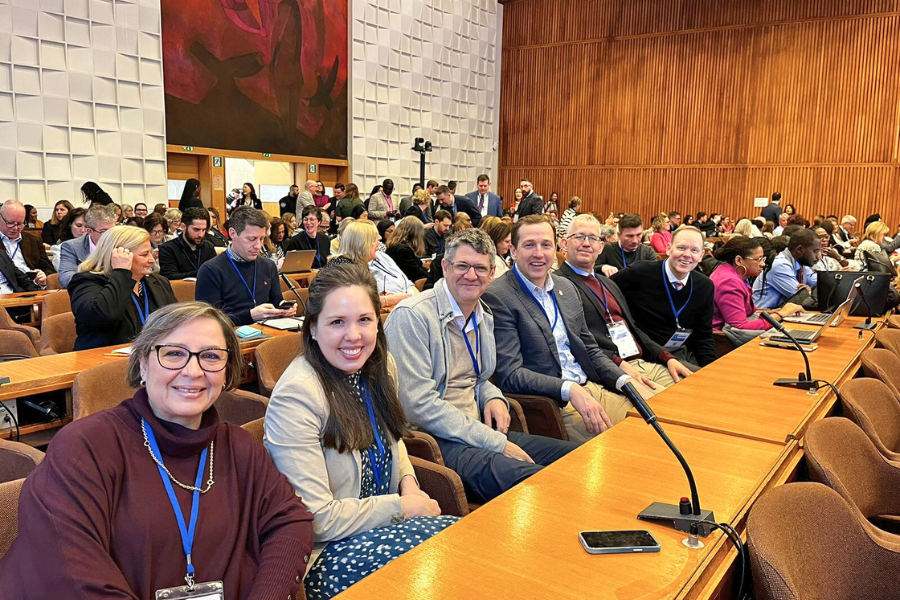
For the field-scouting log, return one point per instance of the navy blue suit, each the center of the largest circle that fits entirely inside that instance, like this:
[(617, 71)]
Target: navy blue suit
[(495, 206)]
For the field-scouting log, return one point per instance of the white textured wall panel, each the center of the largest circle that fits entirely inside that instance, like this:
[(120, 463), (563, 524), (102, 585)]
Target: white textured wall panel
[(424, 69)]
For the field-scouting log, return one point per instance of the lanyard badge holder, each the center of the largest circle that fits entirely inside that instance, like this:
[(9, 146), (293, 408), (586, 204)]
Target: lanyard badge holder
[(618, 331), (681, 334)]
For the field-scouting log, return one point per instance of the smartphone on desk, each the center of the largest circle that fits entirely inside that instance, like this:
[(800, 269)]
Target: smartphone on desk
[(618, 542), (286, 304)]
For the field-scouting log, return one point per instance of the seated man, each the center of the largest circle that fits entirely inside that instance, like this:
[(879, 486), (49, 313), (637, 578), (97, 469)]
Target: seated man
[(446, 369), (239, 281), (543, 344), (72, 253), (13, 280), (437, 235), (791, 271), (607, 313), (27, 252), (182, 257), (671, 302), (628, 250)]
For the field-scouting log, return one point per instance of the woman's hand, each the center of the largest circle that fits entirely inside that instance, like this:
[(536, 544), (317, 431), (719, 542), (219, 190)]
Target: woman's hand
[(415, 505), (409, 486), (122, 258)]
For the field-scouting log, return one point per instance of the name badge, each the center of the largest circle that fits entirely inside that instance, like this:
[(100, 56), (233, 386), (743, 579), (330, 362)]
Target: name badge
[(214, 590), (623, 340), (678, 339)]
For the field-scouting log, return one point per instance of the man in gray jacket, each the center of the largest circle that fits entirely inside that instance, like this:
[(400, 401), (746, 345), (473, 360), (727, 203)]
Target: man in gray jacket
[(442, 341)]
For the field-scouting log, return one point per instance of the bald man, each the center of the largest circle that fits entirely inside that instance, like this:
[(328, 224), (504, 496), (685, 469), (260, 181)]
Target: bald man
[(305, 198), (27, 252)]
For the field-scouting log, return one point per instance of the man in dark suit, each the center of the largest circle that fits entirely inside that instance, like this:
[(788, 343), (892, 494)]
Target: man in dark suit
[(531, 203), (771, 212), (26, 251), (487, 203), (13, 280), (607, 314), (182, 257), (454, 204), (437, 235), (543, 344), (628, 250)]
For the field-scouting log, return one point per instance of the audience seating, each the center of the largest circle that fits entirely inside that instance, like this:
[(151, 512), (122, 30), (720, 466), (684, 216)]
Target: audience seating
[(240, 406), (6, 322), (840, 455), (58, 334), (9, 513), (256, 428), (541, 415), (53, 282), (420, 284), (55, 304), (894, 322), (272, 358), (17, 460), (806, 542), (889, 339), (183, 290), (15, 345), (874, 408), (422, 445), (884, 365)]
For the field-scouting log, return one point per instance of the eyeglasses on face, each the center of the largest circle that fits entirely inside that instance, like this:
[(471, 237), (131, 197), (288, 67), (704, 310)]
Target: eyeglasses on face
[(12, 224), (462, 268), (175, 357), (580, 238)]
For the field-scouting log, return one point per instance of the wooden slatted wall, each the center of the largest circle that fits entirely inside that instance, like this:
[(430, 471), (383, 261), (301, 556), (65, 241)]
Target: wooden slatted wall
[(654, 105)]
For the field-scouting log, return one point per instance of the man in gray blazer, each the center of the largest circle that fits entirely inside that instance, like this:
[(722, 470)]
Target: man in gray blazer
[(442, 341), (487, 202), (73, 252), (544, 346)]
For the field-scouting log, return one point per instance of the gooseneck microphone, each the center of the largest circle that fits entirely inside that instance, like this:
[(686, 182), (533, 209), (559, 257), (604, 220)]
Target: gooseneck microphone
[(803, 382), (868, 325), (293, 288), (683, 515)]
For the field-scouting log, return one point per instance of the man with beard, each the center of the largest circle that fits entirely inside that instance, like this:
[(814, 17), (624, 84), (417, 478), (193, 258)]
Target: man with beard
[(181, 258)]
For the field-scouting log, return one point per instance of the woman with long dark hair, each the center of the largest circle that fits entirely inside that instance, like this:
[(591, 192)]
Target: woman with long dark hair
[(190, 196), (248, 197), (334, 427), (94, 194), (50, 232), (215, 234), (31, 218)]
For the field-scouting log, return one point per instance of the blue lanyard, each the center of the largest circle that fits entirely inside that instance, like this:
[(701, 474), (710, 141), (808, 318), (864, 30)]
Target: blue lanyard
[(376, 470), (244, 281), (142, 315), (624, 264), (187, 532), (536, 301), (668, 285), (604, 300), (474, 355), (382, 269), (16, 251)]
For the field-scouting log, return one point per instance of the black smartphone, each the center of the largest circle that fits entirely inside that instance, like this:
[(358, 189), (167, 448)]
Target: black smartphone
[(618, 542), (31, 274), (286, 304)]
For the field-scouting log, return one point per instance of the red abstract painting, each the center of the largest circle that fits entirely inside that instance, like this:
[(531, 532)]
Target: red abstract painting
[(257, 75)]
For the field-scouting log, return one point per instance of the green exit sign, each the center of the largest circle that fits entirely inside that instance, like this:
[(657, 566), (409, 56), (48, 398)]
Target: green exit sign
[(217, 161), (267, 155), (187, 148)]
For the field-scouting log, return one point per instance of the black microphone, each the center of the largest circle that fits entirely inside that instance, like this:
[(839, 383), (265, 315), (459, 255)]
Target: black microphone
[(681, 516), (803, 382), (868, 325), (293, 288)]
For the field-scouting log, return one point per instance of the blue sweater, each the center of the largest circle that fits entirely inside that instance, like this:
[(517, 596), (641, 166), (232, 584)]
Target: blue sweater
[(219, 284)]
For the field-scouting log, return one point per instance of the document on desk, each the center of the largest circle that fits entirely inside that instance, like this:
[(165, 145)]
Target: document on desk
[(126, 351), (285, 324)]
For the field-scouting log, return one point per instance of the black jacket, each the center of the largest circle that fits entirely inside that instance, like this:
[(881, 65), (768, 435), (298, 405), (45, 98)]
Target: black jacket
[(178, 261), (408, 262), (530, 205), (105, 314), (612, 255), (16, 279), (434, 243)]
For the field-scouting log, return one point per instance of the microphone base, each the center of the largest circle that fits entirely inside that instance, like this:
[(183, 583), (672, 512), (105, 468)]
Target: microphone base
[(800, 384), (671, 514), (866, 326)]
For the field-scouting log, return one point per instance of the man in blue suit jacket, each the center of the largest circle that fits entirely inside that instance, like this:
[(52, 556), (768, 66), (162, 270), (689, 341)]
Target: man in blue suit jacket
[(487, 203), (74, 252)]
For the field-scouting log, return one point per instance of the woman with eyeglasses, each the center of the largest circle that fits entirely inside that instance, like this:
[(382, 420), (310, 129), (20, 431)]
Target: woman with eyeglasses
[(743, 259), (123, 495), (310, 238), (334, 427), (115, 290), (71, 228)]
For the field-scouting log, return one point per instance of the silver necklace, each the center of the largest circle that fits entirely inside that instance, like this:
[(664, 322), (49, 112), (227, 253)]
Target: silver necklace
[(209, 482)]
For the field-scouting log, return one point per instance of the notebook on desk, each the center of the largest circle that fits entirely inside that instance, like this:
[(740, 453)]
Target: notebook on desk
[(298, 261)]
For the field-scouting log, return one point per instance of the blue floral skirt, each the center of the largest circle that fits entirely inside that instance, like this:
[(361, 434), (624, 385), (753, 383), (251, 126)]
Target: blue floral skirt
[(343, 563)]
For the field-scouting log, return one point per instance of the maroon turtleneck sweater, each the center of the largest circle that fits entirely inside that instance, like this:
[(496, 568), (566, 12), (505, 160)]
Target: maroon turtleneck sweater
[(95, 520)]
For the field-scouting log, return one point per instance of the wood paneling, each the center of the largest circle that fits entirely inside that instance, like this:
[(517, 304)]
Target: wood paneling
[(700, 105)]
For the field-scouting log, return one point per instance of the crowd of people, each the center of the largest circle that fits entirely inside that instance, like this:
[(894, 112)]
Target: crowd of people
[(515, 301)]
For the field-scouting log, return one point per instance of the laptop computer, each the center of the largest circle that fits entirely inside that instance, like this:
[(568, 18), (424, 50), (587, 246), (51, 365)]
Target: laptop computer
[(809, 336), (828, 316), (298, 261)]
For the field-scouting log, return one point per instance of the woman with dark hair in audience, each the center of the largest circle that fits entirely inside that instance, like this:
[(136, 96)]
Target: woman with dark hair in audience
[(115, 290), (290, 224), (157, 226), (688, 219), (215, 234), (742, 259), (790, 209), (320, 198), (501, 234), (334, 427), (104, 514), (347, 205), (134, 222), (94, 194), (278, 234), (50, 233), (406, 245), (310, 238), (517, 199), (190, 196), (71, 228), (359, 213), (552, 204), (248, 197), (31, 218), (726, 226)]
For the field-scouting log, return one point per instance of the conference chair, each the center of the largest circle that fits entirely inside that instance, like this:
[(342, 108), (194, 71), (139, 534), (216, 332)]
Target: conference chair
[(9, 513), (58, 334), (894, 322), (889, 339), (6, 322), (537, 415), (883, 364), (56, 303), (53, 282), (272, 358), (723, 344), (183, 290), (436, 480), (874, 408), (420, 284), (805, 541), (17, 460), (840, 455), (15, 345)]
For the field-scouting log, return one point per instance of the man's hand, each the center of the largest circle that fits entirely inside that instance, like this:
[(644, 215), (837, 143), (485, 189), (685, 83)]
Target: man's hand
[(40, 278), (268, 311), (677, 370), (496, 415), (608, 270), (595, 418), (513, 451), (637, 375)]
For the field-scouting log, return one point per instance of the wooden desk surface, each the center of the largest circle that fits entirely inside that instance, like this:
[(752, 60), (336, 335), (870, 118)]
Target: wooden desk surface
[(524, 544), (735, 394), (23, 298)]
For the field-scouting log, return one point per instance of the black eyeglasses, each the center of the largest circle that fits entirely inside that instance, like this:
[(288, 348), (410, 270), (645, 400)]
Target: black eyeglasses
[(10, 223), (173, 357)]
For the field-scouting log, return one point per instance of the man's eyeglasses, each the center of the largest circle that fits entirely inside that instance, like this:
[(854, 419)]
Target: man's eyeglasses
[(10, 223), (580, 238), (172, 357), (462, 268)]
